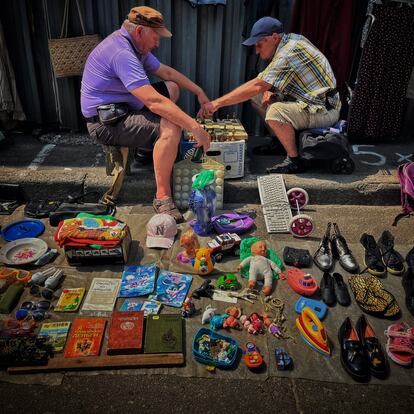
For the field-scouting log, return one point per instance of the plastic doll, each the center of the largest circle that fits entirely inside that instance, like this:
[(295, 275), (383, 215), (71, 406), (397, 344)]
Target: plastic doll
[(202, 202), (189, 242), (260, 267)]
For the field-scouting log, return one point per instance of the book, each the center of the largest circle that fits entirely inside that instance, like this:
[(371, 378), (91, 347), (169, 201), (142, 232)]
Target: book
[(151, 307), (131, 305), (171, 288), (137, 281), (85, 337), (125, 332), (57, 333), (163, 334), (69, 300), (101, 297)]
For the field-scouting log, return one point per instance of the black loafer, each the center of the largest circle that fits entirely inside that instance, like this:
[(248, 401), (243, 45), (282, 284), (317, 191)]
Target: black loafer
[(341, 290), (377, 360), (327, 289), (353, 357)]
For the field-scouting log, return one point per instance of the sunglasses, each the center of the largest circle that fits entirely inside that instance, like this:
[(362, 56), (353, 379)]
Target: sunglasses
[(32, 310), (44, 292)]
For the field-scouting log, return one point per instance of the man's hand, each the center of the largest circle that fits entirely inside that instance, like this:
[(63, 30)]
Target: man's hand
[(267, 98), (207, 110), (202, 137), (202, 98)]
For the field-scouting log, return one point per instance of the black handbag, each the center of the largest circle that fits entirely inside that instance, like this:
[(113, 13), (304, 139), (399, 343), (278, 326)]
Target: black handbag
[(71, 210), (297, 257), (110, 114)]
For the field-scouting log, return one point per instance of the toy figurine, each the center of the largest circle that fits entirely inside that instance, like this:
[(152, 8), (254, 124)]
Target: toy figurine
[(231, 322), (202, 202), (203, 263), (188, 307), (260, 267), (216, 322), (234, 311), (206, 290), (208, 314), (189, 242), (252, 323), (272, 328)]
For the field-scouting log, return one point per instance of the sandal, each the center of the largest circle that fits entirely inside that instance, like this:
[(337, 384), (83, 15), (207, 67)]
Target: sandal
[(400, 343), (167, 206), (401, 330), (400, 351)]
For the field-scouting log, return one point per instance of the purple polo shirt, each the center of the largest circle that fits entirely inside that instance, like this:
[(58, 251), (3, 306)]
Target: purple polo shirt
[(112, 71)]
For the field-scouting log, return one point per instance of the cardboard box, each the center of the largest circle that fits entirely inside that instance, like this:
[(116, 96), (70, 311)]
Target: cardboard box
[(86, 255), (230, 153)]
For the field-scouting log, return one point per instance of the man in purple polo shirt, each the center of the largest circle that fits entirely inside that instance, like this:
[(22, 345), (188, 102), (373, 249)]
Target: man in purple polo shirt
[(116, 72)]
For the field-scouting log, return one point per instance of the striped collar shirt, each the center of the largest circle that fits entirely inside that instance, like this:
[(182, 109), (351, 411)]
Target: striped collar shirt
[(301, 73)]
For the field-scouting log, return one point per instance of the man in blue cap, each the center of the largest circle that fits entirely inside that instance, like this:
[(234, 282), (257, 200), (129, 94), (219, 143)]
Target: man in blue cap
[(297, 90)]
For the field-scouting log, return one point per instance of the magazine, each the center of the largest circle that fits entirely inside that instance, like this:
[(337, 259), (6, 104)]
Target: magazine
[(138, 281), (57, 333), (171, 288), (69, 300)]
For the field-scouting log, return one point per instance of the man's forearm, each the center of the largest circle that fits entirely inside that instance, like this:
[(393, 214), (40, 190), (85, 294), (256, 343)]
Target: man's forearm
[(181, 80), (243, 93), (167, 109)]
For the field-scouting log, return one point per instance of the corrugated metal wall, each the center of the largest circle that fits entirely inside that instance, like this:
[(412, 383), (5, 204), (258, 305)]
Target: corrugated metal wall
[(205, 47)]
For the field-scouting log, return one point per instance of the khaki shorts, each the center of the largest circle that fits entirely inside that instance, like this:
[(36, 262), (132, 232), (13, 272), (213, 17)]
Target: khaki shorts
[(292, 113), (139, 129)]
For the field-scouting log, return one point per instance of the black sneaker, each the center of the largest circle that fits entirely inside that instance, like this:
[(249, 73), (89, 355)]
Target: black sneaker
[(287, 167), (393, 261), (373, 260)]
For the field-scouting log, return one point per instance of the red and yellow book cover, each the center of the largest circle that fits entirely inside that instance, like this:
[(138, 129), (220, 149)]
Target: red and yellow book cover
[(85, 337), (125, 332)]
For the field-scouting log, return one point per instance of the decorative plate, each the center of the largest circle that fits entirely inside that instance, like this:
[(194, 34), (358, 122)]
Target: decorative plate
[(23, 251)]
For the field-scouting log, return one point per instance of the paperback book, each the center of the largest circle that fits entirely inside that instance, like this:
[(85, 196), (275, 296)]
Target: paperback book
[(85, 337), (125, 332), (69, 300), (56, 332), (101, 297), (138, 281), (171, 288)]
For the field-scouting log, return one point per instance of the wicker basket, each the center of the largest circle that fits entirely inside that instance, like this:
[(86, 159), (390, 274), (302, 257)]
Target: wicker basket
[(184, 171), (68, 54)]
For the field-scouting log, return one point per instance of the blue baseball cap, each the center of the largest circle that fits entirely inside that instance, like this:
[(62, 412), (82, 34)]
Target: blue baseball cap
[(265, 26)]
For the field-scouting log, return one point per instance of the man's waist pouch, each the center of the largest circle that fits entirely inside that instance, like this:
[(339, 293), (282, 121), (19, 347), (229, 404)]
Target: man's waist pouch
[(110, 114)]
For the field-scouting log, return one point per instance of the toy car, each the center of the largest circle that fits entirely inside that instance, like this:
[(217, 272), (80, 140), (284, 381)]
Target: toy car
[(223, 244), (283, 359), (252, 356), (228, 281)]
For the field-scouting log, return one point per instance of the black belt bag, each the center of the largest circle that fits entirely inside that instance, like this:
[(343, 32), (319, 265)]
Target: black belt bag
[(110, 114)]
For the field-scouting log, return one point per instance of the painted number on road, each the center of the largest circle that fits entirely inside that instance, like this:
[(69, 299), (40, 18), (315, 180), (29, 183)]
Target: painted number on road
[(357, 151)]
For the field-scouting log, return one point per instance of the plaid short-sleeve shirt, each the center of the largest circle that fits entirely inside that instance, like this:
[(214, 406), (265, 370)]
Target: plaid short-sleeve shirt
[(301, 72)]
